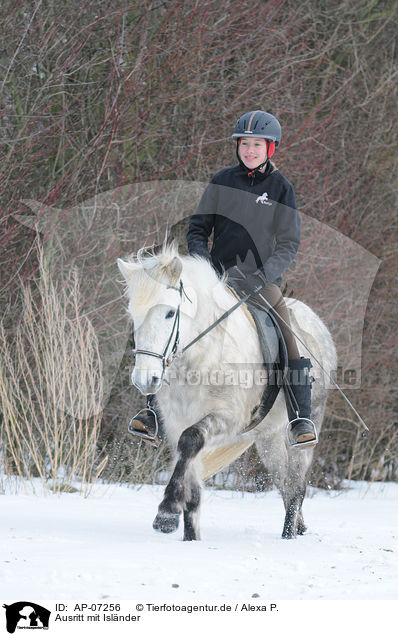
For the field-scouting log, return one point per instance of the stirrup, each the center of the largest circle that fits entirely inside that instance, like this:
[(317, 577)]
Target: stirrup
[(141, 430), (306, 442)]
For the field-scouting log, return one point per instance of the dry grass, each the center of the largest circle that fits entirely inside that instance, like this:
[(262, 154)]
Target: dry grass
[(98, 95), (51, 388)]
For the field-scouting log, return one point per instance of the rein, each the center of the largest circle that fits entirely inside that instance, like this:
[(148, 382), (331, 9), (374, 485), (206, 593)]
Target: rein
[(167, 359), (217, 322)]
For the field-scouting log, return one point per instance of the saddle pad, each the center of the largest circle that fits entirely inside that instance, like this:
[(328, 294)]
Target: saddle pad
[(268, 336), (274, 359)]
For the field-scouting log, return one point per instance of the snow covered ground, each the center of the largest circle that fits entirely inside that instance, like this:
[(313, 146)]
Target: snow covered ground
[(103, 547)]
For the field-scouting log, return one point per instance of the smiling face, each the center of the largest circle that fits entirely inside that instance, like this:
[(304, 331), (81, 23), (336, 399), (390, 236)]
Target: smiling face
[(253, 151)]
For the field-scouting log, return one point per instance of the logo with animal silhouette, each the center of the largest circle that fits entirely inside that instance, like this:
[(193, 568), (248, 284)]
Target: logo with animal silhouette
[(264, 199), (26, 615)]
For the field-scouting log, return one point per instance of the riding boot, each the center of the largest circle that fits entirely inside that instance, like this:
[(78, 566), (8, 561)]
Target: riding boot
[(301, 430), (146, 424)]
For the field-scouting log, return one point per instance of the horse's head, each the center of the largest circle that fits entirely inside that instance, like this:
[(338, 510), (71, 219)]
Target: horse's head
[(155, 295)]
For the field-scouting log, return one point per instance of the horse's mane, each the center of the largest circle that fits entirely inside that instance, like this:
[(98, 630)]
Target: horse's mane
[(152, 269), (206, 296), (148, 257)]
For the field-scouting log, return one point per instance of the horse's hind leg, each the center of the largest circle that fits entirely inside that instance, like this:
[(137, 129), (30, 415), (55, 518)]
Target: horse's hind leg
[(294, 522), (191, 510), (297, 468), (190, 443), (293, 493), (301, 527)]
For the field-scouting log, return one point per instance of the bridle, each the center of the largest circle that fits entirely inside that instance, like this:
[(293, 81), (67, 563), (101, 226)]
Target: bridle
[(175, 332), (168, 359), (169, 352)]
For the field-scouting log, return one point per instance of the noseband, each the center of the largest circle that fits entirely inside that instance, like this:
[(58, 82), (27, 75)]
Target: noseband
[(166, 357)]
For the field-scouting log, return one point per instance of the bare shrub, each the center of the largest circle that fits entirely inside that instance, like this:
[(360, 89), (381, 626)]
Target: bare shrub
[(50, 386), (95, 95)]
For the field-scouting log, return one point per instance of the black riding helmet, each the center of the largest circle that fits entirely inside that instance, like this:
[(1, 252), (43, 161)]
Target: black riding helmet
[(258, 123)]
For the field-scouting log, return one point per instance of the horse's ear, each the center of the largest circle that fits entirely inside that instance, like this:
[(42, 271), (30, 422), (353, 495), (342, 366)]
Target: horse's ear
[(126, 269), (173, 270)]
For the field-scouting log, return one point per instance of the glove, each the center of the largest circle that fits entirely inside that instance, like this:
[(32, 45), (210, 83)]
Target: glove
[(247, 283)]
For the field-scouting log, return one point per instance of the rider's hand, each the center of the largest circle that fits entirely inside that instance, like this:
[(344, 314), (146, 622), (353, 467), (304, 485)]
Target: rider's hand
[(247, 283)]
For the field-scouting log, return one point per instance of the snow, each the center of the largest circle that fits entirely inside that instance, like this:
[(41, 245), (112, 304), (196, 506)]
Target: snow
[(103, 547)]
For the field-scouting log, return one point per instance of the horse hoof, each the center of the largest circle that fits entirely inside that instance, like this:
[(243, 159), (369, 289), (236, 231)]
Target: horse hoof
[(289, 533), (166, 522), (301, 529), (289, 536)]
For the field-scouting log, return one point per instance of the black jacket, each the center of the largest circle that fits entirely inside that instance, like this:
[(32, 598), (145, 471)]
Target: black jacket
[(255, 221)]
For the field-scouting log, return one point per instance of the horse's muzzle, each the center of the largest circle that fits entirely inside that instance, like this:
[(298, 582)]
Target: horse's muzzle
[(145, 381)]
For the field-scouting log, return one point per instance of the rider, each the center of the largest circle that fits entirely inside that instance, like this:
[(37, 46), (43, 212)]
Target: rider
[(256, 237)]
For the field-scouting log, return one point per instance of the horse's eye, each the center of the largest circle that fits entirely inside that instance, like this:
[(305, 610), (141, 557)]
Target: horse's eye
[(170, 313)]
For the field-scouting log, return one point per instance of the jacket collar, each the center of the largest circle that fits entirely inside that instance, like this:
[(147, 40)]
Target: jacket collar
[(257, 177)]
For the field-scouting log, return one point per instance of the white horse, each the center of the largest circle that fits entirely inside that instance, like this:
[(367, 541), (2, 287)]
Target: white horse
[(207, 394)]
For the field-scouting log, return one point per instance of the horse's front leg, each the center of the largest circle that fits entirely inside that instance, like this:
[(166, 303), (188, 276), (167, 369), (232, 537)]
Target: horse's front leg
[(176, 499), (191, 508)]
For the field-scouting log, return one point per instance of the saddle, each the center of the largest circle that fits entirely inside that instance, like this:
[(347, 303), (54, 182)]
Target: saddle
[(274, 356), (145, 423), (273, 349)]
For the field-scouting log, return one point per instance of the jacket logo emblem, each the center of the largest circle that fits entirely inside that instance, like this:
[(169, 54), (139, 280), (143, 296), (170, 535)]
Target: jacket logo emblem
[(263, 199)]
